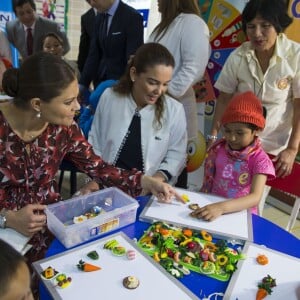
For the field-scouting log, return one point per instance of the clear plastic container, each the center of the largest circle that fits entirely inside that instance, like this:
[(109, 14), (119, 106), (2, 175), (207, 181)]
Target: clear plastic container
[(117, 210)]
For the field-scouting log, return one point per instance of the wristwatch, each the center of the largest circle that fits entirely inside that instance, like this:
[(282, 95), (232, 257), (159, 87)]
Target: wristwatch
[(211, 137), (3, 219)]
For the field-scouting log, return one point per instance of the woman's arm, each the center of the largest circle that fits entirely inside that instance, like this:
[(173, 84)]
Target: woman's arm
[(194, 55), (221, 104), (285, 159), (212, 211)]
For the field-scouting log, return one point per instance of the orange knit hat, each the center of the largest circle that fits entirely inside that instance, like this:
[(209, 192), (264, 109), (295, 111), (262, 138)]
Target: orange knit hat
[(244, 108)]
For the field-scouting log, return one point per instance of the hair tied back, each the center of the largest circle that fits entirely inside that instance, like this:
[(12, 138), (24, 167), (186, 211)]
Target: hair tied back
[(10, 82)]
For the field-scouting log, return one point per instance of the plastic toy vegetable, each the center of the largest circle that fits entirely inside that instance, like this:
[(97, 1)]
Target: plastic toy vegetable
[(265, 287), (206, 236), (262, 259), (187, 232), (86, 267), (93, 255)]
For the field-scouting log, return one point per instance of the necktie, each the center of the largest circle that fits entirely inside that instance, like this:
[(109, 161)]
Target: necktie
[(104, 25), (29, 41)]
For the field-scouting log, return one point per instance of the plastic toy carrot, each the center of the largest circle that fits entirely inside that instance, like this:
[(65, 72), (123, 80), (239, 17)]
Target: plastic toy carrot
[(86, 267), (261, 294), (265, 287)]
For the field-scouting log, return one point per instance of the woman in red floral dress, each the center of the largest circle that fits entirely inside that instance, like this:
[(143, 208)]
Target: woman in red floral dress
[(37, 131)]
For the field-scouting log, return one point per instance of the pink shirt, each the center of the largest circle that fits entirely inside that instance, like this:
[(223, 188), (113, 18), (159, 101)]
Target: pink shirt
[(233, 176)]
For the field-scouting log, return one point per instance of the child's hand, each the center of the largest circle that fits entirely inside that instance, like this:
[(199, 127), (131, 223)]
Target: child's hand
[(209, 212)]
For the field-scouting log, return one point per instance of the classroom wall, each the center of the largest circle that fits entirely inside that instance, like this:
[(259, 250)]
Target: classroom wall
[(76, 9)]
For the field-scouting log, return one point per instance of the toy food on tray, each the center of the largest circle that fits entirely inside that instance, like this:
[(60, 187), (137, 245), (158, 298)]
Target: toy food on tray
[(265, 287), (179, 250)]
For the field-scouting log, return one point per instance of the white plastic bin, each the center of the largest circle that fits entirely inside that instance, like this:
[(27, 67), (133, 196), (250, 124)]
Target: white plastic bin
[(118, 210)]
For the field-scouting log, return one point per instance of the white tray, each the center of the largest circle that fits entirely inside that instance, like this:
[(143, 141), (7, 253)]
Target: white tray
[(106, 283), (284, 268), (236, 226)]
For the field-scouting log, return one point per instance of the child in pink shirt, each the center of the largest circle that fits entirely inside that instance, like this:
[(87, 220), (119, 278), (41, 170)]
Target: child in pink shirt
[(236, 166)]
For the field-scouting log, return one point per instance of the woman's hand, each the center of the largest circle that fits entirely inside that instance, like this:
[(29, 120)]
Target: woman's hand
[(209, 212), (163, 191), (89, 187), (28, 220), (284, 162)]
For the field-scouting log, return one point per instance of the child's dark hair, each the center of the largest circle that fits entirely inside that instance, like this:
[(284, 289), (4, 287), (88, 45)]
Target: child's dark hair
[(10, 261)]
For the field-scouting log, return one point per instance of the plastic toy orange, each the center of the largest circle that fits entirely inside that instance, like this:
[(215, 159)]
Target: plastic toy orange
[(163, 231), (262, 259), (187, 232)]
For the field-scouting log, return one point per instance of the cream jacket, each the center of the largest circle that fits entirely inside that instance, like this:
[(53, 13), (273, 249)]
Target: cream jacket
[(187, 38), (163, 148)]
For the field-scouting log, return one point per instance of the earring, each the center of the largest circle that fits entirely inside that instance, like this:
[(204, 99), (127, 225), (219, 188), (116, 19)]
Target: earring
[(132, 79), (38, 115)]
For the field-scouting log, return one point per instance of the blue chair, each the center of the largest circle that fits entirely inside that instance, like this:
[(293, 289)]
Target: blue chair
[(87, 113)]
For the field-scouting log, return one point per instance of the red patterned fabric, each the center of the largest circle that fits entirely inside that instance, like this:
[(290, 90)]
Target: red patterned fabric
[(26, 179), (289, 184), (6, 62)]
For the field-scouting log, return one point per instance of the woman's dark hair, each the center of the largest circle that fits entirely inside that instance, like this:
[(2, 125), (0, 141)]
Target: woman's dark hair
[(274, 11), (42, 75), (18, 3), (10, 261), (147, 56)]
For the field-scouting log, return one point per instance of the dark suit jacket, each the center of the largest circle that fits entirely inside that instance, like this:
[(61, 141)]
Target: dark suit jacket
[(87, 31), (16, 34), (109, 60)]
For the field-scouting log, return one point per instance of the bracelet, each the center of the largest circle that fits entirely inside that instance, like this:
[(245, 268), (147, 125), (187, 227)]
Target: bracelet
[(211, 137)]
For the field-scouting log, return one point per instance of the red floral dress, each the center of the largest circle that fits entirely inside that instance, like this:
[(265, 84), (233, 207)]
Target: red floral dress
[(30, 178)]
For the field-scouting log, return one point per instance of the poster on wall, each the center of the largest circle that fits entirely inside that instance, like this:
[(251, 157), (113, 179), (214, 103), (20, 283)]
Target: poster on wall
[(53, 10), (143, 6), (6, 14), (293, 30)]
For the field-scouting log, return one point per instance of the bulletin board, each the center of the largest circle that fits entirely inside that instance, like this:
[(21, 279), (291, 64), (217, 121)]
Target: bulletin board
[(236, 226), (284, 268), (107, 282)]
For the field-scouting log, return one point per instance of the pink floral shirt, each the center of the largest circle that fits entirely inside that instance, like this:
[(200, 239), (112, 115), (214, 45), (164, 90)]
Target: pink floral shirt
[(233, 171)]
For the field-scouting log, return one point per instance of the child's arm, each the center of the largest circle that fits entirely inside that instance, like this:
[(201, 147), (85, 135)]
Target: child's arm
[(212, 211)]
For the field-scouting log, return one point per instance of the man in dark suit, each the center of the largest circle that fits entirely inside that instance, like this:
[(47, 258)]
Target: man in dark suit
[(109, 54), (87, 31), (17, 30)]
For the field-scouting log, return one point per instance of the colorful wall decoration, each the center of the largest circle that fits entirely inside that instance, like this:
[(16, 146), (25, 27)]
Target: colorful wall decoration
[(6, 14), (55, 10)]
